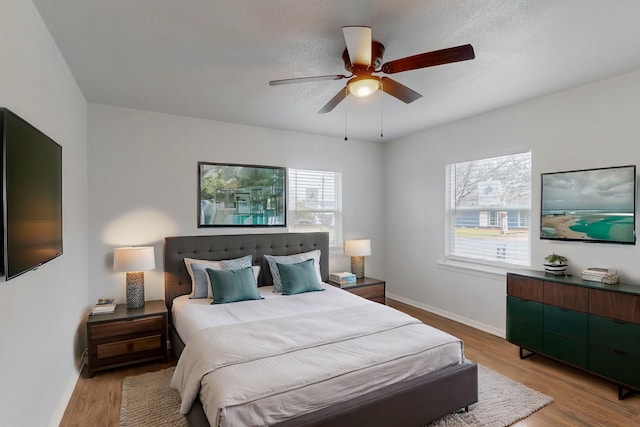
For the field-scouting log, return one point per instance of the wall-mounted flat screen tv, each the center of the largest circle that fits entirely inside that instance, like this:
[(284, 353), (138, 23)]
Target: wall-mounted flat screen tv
[(31, 196), (592, 205)]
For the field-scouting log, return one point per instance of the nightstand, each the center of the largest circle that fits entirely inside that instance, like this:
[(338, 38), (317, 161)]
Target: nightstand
[(127, 336), (367, 287)]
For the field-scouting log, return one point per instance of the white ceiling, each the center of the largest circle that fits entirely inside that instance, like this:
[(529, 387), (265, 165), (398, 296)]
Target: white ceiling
[(213, 59)]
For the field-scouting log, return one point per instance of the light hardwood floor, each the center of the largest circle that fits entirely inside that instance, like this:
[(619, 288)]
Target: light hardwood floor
[(580, 399)]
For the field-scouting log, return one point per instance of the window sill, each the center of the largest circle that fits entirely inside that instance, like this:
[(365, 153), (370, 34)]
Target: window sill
[(475, 269)]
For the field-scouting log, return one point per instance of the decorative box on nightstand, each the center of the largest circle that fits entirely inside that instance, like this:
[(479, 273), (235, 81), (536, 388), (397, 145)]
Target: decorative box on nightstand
[(367, 287), (127, 336)]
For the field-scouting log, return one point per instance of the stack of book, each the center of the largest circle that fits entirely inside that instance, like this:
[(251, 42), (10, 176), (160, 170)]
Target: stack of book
[(104, 306), (343, 279), (602, 275)]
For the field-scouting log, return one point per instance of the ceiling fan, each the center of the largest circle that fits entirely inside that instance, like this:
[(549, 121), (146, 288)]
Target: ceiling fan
[(362, 58)]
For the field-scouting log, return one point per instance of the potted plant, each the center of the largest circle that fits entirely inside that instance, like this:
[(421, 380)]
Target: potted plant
[(555, 264)]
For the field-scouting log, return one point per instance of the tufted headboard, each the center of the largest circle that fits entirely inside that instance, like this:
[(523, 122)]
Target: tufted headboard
[(176, 278)]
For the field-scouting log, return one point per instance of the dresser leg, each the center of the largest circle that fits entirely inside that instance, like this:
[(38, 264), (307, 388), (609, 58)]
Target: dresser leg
[(624, 392), (524, 356)]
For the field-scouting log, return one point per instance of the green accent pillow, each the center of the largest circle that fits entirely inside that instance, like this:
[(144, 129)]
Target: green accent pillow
[(299, 278), (233, 285)]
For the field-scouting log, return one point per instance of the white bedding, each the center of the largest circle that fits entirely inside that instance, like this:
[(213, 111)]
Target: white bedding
[(283, 356)]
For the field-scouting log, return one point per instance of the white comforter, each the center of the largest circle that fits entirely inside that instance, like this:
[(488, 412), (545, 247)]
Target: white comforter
[(264, 371)]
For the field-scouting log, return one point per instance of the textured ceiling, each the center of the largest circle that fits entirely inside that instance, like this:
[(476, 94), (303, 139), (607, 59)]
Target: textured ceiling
[(213, 59)]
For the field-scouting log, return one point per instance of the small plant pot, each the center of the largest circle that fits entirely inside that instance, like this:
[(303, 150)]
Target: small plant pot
[(555, 269)]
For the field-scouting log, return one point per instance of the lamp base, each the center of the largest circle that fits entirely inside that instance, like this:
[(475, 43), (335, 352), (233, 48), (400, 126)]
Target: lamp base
[(135, 290), (357, 266)]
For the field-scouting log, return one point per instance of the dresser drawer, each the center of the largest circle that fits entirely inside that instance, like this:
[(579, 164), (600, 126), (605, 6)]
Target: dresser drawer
[(126, 327), (524, 311), (565, 348), (615, 364), (615, 334), (119, 348), (615, 305), (524, 287), (569, 297), (524, 335), (566, 322)]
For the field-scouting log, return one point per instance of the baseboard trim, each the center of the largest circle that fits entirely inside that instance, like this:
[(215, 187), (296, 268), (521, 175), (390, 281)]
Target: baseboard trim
[(452, 316), (56, 418)]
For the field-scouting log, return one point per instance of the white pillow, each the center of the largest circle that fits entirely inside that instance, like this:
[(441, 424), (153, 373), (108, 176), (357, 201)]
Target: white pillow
[(200, 282), (291, 259)]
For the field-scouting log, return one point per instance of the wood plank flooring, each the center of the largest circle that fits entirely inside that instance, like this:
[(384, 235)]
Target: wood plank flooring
[(580, 399)]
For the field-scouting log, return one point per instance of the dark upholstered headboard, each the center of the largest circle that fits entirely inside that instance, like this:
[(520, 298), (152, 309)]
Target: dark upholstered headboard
[(176, 278)]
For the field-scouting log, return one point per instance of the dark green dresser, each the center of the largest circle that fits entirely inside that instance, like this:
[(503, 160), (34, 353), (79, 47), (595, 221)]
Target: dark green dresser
[(589, 325)]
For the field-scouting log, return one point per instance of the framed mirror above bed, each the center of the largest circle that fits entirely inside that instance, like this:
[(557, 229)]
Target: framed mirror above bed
[(233, 195)]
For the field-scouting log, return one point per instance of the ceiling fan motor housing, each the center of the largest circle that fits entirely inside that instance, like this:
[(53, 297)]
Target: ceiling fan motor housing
[(377, 52)]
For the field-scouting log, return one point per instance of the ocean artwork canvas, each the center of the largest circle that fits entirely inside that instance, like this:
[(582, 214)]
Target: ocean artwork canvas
[(593, 205)]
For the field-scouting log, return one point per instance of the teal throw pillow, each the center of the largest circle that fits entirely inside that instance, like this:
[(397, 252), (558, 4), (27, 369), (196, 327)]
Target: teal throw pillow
[(233, 285), (299, 278)]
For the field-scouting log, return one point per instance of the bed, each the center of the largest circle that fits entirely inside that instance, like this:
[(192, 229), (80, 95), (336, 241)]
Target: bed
[(373, 394)]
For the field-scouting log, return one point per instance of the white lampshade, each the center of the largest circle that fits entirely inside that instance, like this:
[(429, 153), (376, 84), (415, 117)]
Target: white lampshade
[(132, 259), (357, 247)]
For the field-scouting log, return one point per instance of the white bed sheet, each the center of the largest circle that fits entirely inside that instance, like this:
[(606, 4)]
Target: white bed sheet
[(191, 315), (391, 357)]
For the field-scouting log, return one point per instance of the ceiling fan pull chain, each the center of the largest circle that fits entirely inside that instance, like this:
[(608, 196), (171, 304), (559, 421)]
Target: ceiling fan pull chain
[(381, 108), (345, 113)]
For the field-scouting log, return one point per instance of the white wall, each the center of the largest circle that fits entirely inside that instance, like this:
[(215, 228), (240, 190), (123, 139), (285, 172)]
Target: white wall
[(143, 184), (41, 312), (590, 126)]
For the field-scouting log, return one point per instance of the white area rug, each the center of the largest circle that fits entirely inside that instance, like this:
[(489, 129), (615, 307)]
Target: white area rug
[(147, 400), (501, 402)]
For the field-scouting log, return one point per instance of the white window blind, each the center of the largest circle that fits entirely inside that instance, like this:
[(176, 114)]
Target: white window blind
[(315, 203), (488, 210)]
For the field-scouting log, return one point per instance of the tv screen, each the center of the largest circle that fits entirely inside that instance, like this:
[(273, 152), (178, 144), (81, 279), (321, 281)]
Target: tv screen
[(593, 205), (32, 196)]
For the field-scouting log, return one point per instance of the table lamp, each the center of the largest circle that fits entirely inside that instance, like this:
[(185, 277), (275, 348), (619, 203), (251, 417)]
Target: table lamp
[(357, 249), (134, 261)]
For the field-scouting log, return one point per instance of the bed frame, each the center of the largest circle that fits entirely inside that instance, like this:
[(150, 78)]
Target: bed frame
[(410, 403)]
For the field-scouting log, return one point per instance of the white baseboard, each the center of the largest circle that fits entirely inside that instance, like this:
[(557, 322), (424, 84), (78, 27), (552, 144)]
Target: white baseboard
[(64, 399), (460, 319)]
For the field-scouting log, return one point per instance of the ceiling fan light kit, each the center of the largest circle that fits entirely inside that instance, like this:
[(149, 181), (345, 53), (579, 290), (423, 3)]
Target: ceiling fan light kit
[(363, 57), (363, 86)]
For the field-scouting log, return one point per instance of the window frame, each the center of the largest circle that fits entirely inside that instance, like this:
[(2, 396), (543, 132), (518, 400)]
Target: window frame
[(335, 240), (450, 220)]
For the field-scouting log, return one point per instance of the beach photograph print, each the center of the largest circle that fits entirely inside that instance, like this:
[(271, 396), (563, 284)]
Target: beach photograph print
[(589, 205)]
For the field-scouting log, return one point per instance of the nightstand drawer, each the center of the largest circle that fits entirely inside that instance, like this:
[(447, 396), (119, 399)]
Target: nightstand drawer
[(127, 336), (126, 327), (118, 348), (371, 292)]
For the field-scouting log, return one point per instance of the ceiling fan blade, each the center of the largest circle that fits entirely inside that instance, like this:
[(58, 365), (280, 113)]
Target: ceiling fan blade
[(399, 90), (430, 59), (306, 79), (358, 41), (334, 101)]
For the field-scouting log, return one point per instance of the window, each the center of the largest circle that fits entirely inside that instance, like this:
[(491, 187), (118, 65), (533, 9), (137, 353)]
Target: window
[(315, 203), (488, 210)]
